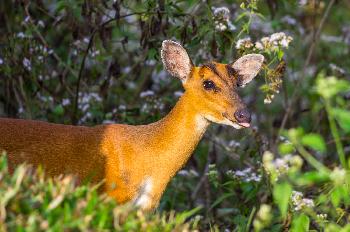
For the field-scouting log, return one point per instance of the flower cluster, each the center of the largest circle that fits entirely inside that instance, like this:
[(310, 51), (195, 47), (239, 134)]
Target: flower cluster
[(280, 166), (338, 176), (213, 175), (274, 77), (336, 69), (244, 43), (151, 104), (86, 101), (27, 64), (299, 202), (322, 216), (246, 175), (222, 19), (268, 43), (188, 173), (146, 93)]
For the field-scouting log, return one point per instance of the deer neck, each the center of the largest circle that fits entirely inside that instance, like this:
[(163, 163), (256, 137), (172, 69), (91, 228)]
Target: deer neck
[(177, 135)]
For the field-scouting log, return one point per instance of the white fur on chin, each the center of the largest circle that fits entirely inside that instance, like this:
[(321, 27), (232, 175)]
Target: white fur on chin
[(224, 122)]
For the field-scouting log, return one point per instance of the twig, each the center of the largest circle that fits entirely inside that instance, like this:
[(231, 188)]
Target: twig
[(102, 25), (43, 41), (308, 59)]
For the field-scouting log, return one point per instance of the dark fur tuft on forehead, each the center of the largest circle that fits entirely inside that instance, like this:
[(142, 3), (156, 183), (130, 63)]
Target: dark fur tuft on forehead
[(212, 67)]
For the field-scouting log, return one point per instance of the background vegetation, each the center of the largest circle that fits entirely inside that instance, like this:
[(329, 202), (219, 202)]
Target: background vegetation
[(90, 62)]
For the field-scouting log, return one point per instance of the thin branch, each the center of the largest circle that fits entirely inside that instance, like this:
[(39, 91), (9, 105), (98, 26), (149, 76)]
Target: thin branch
[(307, 62), (82, 66), (44, 42)]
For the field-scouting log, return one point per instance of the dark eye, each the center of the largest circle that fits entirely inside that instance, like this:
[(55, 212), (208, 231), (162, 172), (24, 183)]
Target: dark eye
[(208, 85)]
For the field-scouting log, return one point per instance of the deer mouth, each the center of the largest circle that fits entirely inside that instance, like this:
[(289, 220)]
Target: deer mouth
[(237, 125), (244, 124)]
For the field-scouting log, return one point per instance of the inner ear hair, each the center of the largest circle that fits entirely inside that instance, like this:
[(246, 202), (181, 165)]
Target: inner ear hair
[(176, 60), (232, 73)]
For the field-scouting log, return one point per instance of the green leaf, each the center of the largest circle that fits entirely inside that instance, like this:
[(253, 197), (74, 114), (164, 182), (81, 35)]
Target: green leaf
[(330, 86), (280, 54), (58, 110), (343, 118), (300, 223), (336, 196), (281, 195), (314, 141), (312, 177), (286, 148)]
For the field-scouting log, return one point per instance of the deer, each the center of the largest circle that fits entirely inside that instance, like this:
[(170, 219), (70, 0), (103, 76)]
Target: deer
[(136, 162)]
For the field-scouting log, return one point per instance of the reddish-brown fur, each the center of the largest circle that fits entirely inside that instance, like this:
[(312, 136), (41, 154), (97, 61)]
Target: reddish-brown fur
[(136, 162)]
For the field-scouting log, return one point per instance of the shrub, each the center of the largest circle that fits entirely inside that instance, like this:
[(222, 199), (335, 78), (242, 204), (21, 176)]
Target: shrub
[(31, 202)]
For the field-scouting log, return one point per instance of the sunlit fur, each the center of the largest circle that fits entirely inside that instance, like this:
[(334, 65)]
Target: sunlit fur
[(218, 105), (136, 162)]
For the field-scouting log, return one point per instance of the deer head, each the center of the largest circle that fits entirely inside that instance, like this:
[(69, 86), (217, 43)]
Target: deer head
[(213, 86)]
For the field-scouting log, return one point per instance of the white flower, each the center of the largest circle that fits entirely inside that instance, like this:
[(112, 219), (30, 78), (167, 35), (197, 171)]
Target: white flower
[(322, 216), (338, 176), (20, 110), (275, 37), (178, 93), (122, 107), (146, 93), (233, 144), (336, 68), (27, 64), (284, 42), (276, 40), (245, 175), (259, 46), (21, 35), (280, 166), (150, 62), (65, 101), (231, 27), (86, 40), (220, 26), (95, 53), (221, 11), (267, 101), (85, 100), (302, 2), (300, 202), (190, 173), (244, 43), (289, 20), (41, 24), (222, 19), (265, 41), (1, 61), (107, 121), (26, 20)]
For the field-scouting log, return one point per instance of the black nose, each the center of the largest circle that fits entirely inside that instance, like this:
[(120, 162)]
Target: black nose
[(243, 116)]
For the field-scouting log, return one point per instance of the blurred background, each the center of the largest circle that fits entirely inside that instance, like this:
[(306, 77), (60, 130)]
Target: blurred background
[(91, 62)]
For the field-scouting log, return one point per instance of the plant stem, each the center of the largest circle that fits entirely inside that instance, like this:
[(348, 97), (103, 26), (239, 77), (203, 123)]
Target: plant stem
[(311, 160), (335, 135)]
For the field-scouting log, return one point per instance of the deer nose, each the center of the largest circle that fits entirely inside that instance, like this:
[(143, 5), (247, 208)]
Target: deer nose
[(243, 116)]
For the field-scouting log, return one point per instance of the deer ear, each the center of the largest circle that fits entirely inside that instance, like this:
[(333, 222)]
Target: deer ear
[(248, 67), (176, 60)]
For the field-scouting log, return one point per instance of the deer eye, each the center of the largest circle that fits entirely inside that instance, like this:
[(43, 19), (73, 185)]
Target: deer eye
[(208, 85)]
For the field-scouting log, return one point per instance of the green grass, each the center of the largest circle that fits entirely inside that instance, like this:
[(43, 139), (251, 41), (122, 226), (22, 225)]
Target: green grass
[(31, 202)]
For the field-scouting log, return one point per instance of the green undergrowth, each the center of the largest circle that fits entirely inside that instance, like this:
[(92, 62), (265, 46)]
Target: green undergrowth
[(31, 202)]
